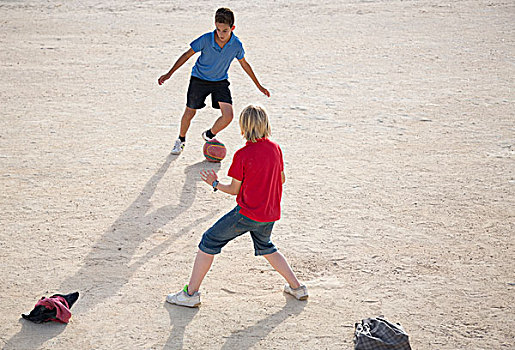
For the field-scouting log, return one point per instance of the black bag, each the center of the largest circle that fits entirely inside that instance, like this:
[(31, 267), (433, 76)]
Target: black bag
[(380, 334)]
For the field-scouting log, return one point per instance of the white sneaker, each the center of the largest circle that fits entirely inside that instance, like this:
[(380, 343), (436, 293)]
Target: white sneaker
[(183, 299), (178, 147), (300, 293)]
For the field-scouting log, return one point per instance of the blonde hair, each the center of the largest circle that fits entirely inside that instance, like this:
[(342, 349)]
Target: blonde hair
[(254, 123)]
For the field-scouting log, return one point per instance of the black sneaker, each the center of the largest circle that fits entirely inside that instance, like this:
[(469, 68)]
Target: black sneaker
[(205, 137)]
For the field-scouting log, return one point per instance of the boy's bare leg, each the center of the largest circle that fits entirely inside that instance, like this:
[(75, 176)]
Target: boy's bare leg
[(188, 115), (226, 118), (201, 266), (279, 263)]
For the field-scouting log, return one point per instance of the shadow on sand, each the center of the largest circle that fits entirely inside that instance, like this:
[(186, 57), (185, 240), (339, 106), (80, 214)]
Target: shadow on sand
[(250, 336), (33, 335), (180, 317), (107, 267)]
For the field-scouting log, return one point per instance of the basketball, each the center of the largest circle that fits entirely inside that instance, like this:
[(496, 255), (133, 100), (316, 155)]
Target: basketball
[(214, 151)]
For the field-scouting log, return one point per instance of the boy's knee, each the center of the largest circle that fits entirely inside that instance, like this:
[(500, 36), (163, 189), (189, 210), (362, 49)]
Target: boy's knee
[(227, 114), (228, 117), (226, 109)]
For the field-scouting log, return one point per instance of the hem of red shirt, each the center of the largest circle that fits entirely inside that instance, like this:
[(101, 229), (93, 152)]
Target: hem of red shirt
[(253, 218)]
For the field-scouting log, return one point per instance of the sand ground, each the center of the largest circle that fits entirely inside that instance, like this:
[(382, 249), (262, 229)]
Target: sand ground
[(396, 120)]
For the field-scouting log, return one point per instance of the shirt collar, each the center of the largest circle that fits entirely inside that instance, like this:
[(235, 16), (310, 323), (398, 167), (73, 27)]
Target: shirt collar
[(215, 45), (257, 140)]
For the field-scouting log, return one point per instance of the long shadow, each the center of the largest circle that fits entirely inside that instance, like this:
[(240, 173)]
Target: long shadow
[(107, 267), (180, 317), (253, 334)]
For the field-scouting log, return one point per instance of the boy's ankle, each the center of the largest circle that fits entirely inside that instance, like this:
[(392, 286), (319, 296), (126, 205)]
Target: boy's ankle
[(210, 134), (187, 290)]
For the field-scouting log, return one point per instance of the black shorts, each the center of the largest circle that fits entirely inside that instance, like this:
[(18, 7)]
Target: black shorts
[(199, 89)]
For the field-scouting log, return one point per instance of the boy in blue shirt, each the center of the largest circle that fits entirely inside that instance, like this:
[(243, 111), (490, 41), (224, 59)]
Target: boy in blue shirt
[(209, 75)]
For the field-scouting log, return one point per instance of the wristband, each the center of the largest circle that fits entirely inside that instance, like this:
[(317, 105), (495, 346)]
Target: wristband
[(214, 184)]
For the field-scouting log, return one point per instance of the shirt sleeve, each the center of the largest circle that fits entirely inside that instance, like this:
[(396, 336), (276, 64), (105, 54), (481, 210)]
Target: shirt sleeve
[(198, 44), (241, 53), (236, 170), (281, 160)]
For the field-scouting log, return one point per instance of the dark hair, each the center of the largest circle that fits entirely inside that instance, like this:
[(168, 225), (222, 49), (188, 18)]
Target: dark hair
[(224, 15)]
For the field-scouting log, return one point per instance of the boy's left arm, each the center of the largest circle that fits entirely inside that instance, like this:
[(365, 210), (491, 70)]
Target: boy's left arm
[(248, 69)]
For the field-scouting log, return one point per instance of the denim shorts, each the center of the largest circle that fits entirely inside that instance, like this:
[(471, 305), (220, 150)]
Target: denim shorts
[(232, 225), (199, 90)]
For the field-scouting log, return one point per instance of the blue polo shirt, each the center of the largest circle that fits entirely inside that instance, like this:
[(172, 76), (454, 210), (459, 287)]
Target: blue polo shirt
[(214, 61)]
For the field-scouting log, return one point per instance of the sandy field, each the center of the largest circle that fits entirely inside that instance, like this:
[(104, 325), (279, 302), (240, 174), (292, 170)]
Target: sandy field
[(396, 120)]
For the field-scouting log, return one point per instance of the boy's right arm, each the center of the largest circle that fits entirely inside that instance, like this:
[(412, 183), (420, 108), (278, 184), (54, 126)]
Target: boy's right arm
[(209, 176), (233, 188), (180, 61)]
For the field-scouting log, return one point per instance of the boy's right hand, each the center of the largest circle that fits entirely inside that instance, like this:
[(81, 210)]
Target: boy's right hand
[(208, 176), (163, 78)]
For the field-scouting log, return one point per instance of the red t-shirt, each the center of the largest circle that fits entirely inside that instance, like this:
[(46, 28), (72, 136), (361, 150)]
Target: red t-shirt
[(258, 166)]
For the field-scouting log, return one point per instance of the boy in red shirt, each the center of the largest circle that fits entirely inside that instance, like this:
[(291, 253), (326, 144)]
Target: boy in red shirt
[(257, 173)]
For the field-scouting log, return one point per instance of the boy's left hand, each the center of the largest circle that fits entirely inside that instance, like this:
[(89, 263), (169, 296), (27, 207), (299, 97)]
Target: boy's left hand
[(264, 91), (208, 176)]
